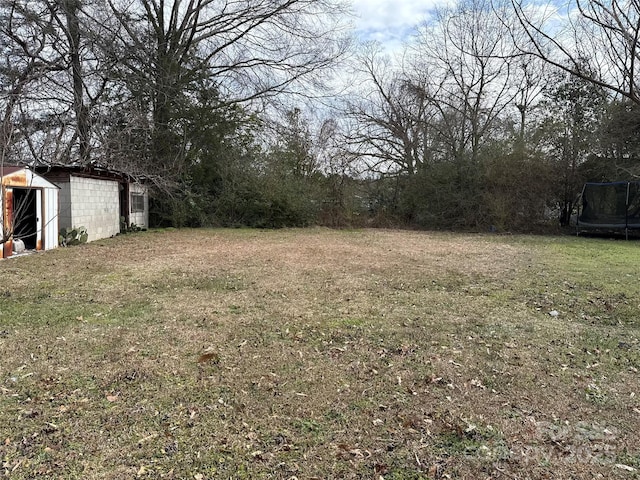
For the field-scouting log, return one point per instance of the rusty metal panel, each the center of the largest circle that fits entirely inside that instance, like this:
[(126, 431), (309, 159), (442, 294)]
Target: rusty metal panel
[(7, 248), (16, 179), (8, 207), (7, 220), (7, 216)]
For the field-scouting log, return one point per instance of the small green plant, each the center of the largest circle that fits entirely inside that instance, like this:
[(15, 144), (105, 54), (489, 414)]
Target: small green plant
[(595, 394), (129, 228), (72, 236)]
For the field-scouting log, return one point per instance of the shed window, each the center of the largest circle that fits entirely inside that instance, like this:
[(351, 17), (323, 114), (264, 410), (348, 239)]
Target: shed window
[(137, 203)]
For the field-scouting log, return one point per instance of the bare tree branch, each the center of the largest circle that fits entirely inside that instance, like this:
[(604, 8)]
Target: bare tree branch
[(609, 29)]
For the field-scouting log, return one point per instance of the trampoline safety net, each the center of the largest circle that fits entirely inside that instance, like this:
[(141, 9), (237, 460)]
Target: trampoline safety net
[(613, 205)]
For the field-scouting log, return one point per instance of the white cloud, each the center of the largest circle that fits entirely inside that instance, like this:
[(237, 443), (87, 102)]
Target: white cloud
[(390, 22)]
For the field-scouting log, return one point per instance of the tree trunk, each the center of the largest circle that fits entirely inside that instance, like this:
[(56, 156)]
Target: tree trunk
[(82, 115)]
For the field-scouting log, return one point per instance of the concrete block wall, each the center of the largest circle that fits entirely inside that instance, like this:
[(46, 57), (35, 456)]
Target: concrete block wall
[(95, 204)]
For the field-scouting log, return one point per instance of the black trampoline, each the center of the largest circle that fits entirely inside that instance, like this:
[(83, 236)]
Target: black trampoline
[(609, 207)]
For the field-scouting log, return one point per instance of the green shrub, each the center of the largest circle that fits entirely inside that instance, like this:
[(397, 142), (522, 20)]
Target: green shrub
[(72, 236)]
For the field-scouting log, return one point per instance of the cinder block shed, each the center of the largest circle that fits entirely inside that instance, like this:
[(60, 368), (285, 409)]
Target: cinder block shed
[(99, 199)]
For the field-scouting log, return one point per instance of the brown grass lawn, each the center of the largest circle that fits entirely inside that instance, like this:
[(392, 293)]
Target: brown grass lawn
[(320, 354)]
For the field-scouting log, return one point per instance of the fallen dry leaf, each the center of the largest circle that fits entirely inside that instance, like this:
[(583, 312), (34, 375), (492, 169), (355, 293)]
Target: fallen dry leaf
[(209, 357), (380, 469), (356, 452)]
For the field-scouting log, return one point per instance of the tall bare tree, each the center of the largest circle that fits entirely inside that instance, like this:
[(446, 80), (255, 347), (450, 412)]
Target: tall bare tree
[(595, 40), (464, 50), (25, 40), (390, 122), (243, 50), (52, 43)]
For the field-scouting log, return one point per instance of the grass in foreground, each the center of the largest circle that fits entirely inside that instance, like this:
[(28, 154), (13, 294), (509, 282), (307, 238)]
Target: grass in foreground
[(203, 354)]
